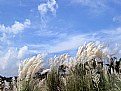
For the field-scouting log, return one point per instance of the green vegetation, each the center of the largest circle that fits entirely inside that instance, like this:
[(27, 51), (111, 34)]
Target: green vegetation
[(85, 72)]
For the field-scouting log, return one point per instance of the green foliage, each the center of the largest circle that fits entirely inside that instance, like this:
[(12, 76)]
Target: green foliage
[(54, 81), (30, 85), (79, 79)]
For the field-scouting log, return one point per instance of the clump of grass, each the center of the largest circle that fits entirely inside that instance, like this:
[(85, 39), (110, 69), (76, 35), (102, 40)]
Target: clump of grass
[(54, 81), (27, 70), (78, 80), (85, 73)]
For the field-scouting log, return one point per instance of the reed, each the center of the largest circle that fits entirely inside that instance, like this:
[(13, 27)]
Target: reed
[(85, 72)]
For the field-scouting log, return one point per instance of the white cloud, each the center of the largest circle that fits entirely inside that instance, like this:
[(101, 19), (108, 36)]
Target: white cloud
[(69, 42), (112, 49), (22, 51), (16, 27), (50, 5), (108, 37), (6, 57), (10, 58), (4, 37), (72, 42), (44, 9)]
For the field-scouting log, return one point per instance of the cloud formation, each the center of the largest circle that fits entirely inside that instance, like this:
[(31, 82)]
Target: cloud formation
[(5, 58), (109, 38), (50, 5), (45, 8), (22, 51), (16, 27), (10, 58)]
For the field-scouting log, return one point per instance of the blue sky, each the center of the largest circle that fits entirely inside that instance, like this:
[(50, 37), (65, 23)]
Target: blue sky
[(49, 27)]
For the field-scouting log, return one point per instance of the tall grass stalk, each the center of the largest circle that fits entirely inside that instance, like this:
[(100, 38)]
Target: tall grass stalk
[(85, 72)]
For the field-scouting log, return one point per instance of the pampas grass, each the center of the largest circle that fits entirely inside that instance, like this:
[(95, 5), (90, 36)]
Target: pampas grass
[(85, 72), (54, 81), (27, 72)]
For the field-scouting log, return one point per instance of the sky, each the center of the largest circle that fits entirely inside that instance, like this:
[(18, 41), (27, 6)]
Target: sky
[(49, 27)]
